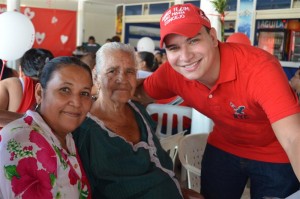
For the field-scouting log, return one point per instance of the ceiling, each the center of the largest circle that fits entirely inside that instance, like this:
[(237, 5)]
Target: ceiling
[(104, 2), (73, 4), (115, 2)]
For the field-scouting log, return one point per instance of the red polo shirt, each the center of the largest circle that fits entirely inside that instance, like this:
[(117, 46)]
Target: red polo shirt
[(251, 93)]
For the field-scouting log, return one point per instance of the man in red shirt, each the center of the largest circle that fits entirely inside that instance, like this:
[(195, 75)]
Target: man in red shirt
[(245, 92)]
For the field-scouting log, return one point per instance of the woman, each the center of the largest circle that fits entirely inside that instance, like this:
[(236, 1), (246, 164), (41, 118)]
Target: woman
[(38, 154), (17, 94), (147, 64), (120, 153), (6, 72)]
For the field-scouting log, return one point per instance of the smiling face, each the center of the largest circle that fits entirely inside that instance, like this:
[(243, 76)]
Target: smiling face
[(66, 100), (117, 78), (196, 58)]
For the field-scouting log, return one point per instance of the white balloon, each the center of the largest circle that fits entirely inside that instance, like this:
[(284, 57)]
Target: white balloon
[(146, 44), (16, 35)]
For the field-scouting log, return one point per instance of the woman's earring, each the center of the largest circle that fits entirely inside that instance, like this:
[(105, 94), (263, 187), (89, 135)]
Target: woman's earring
[(37, 107), (94, 97)]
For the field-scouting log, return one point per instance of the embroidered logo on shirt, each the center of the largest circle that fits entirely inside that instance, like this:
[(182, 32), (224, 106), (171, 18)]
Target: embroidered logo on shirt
[(238, 111)]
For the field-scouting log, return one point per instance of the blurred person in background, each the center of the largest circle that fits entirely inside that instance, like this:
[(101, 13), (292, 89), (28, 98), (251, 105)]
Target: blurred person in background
[(7, 72), (91, 46), (17, 94), (147, 64)]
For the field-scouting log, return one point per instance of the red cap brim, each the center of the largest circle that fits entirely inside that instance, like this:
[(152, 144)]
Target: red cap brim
[(187, 30)]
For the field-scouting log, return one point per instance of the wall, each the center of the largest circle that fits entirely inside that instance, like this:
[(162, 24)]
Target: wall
[(99, 18), (99, 21)]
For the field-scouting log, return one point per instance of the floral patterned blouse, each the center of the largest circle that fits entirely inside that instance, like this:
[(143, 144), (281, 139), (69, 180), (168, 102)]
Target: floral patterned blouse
[(34, 165)]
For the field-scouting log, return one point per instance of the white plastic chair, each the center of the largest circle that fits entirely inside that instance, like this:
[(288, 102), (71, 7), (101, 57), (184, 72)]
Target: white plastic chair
[(190, 152), (170, 112), (170, 144)]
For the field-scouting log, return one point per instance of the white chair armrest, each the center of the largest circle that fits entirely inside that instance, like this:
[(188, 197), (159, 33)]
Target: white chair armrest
[(192, 169)]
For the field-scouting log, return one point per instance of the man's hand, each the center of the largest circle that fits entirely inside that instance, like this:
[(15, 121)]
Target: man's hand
[(140, 95)]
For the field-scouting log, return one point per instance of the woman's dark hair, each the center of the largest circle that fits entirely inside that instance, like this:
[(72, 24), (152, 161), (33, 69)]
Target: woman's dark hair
[(57, 63), (7, 72), (33, 61), (149, 58)]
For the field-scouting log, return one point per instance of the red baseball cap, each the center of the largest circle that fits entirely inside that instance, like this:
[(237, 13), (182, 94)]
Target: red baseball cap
[(182, 19)]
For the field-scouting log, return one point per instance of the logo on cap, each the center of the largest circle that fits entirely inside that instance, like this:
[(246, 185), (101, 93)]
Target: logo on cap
[(175, 13), (183, 19)]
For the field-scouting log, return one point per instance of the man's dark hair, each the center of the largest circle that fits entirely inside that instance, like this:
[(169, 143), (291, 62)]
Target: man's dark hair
[(92, 38), (116, 38), (34, 60)]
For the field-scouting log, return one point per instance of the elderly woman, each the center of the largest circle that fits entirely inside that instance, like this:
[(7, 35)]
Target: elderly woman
[(38, 154), (120, 153)]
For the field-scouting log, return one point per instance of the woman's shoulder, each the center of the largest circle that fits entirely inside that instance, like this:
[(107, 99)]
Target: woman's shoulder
[(11, 83), (14, 128)]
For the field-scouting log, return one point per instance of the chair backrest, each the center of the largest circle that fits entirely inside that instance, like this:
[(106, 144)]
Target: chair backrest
[(190, 152), (171, 113), (170, 144)]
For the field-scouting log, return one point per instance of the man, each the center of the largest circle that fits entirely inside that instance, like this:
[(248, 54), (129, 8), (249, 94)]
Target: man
[(245, 92), (91, 46)]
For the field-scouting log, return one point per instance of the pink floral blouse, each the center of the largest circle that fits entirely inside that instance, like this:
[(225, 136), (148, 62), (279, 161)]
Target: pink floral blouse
[(34, 165)]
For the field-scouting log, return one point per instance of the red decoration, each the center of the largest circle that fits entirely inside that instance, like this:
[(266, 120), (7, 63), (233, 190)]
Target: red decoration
[(55, 30)]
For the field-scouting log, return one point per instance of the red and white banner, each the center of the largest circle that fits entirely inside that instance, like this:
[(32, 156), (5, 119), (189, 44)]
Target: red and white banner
[(55, 30)]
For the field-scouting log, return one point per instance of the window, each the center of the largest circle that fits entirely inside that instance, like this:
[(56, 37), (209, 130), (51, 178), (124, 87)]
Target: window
[(272, 4), (158, 8), (133, 10)]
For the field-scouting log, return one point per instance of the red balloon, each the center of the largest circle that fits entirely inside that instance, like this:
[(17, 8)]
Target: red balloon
[(239, 37)]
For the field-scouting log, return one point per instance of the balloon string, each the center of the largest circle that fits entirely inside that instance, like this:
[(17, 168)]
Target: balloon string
[(2, 70)]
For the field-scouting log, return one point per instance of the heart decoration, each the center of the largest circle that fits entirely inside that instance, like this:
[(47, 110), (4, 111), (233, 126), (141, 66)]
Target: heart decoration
[(28, 13), (39, 37), (54, 20), (64, 38)]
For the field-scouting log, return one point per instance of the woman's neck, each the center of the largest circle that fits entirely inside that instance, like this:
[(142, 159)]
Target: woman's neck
[(111, 109)]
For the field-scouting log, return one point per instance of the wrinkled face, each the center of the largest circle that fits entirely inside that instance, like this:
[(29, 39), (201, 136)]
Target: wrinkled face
[(118, 77), (67, 98), (192, 57)]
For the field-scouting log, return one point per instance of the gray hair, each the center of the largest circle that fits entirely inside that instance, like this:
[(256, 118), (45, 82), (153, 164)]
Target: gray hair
[(112, 47)]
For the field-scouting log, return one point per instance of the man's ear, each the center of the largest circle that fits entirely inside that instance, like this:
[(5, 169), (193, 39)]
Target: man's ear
[(214, 36), (38, 93)]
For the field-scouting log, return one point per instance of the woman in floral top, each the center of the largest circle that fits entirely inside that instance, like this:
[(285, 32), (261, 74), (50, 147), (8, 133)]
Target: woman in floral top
[(38, 154)]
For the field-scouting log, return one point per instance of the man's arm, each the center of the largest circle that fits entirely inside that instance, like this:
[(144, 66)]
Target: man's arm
[(8, 116), (140, 95), (287, 131)]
